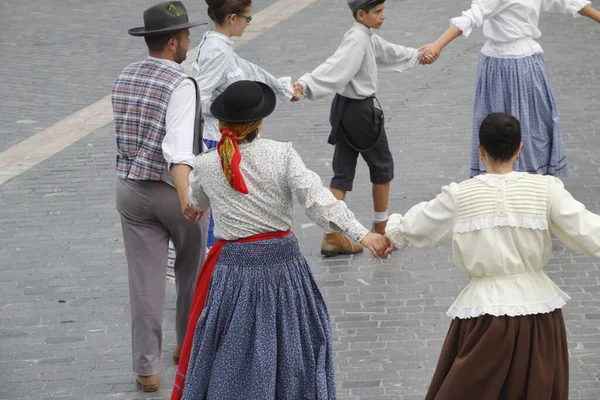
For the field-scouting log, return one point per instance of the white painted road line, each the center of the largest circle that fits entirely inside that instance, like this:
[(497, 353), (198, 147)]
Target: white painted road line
[(44, 144)]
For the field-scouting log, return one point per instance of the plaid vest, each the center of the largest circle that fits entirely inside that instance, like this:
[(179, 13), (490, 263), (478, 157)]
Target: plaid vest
[(140, 99)]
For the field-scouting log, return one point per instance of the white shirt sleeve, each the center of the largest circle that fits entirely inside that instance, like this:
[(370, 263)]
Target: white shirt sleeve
[(178, 143), (575, 226), (281, 86), (319, 203), (427, 225), (480, 10), (565, 6), (213, 75), (336, 71), (393, 57)]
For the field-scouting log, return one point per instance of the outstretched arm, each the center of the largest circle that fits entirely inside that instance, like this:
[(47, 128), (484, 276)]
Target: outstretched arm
[(282, 86), (429, 53), (590, 12)]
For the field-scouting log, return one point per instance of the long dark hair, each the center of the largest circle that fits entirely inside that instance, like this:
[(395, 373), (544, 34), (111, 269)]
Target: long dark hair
[(218, 10)]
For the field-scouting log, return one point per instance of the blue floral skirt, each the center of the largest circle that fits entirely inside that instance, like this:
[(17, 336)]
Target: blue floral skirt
[(264, 332), (520, 87)]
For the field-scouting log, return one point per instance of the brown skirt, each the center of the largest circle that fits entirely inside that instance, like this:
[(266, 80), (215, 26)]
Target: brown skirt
[(503, 358)]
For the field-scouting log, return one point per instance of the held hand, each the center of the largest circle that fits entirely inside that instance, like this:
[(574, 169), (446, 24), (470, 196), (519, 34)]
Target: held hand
[(429, 53), (376, 244), (390, 249), (298, 92), (190, 213)]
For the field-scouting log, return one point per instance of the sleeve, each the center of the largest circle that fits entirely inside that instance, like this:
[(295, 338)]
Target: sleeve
[(282, 86), (336, 71), (565, 6), (393, 57), (212, 76), (570, 222), (480, 10), (319, 203), (178, 143), (198, 199), (427, 225)]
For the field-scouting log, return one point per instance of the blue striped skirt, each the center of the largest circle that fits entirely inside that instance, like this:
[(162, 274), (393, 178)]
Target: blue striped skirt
[(264, 333), (520, 87)]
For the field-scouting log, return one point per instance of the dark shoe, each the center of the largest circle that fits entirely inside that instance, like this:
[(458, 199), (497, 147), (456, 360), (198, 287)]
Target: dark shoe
[(149, 383), (177, 354), (379, 227), (337, 243)]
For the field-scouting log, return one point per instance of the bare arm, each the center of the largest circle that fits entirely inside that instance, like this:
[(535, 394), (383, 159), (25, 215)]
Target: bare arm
[(431, 52), (590, 12), (181, 180)]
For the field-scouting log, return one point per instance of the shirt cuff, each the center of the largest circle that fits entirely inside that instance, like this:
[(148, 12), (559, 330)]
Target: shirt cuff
[(187, 159), (574, 6), (464, 24), (355, 231), (287, 91), (394, 233)]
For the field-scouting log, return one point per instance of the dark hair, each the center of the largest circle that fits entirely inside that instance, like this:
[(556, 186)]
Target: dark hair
[(218, 10), (500, 136), (368, 7), (158, 43)]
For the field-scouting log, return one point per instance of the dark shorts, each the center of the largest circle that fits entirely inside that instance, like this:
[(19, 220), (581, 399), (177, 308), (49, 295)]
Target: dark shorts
[(361, 127)]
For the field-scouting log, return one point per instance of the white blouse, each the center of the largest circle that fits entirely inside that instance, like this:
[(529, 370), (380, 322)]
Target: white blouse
[(352, 71), (511, 26), (500, 228), (274, 174), (217, 66)]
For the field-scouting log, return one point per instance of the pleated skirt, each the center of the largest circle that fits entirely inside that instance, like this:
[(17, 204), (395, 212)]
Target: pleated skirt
[(521, 87)]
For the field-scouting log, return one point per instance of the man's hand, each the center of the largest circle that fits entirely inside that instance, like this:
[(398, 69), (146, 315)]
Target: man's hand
[(376, 244)]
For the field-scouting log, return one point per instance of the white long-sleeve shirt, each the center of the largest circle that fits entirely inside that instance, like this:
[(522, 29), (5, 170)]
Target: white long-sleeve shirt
[(217, 66), (511, 26), (274, 174), (178, 143), (500, 229), (352, 71)]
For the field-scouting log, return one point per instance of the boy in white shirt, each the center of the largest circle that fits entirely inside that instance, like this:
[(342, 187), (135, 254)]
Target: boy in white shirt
[(356, 118)]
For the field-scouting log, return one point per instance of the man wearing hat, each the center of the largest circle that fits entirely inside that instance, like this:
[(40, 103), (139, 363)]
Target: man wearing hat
[(351, 73), (158, 130)]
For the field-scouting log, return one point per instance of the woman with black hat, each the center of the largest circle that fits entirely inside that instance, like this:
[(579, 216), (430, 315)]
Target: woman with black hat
[(264, 332)]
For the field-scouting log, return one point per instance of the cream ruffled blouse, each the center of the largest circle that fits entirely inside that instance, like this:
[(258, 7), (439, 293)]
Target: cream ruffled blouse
[(500, 228)]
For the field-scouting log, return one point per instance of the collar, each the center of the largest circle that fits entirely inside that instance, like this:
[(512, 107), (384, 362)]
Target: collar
[(170, 63), (363, 28), (491, 179), (218, 35)]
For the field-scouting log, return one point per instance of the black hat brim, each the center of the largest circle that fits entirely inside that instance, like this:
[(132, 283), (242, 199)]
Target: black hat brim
[(141, 31), (220, 112)]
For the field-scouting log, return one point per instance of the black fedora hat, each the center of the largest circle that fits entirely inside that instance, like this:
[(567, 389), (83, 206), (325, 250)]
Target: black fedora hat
[(164, 18), (244, 101)]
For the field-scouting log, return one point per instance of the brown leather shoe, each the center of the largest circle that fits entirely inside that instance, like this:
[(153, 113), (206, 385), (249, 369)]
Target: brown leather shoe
[(149, 383), (379, 227), (177, 354), (337, 243)]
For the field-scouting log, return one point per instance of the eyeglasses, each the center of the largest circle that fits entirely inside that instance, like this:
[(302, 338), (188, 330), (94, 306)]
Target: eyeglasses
[(248, 18)]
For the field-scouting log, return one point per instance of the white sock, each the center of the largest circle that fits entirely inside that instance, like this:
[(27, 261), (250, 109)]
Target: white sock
[(380, 216)]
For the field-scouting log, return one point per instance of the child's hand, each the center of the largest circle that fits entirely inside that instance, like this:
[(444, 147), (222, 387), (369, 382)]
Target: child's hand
[(390, 249), (298, 92), (429, 53)]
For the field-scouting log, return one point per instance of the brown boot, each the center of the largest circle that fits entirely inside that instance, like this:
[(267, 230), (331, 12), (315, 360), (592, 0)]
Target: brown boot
[(379, 227), (334, 244), (149, 383), (177, 354)]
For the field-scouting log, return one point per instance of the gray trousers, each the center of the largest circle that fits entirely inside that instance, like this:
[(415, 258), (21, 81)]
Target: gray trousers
[(150, 214)]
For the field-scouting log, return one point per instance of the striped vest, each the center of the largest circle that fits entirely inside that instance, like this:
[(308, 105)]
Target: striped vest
[(140, 99)]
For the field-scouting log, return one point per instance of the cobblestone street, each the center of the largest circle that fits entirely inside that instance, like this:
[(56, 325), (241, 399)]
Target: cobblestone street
[(64, 300)]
